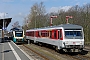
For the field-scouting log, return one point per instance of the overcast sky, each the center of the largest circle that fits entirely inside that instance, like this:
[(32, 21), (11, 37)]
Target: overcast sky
[(18, 9)]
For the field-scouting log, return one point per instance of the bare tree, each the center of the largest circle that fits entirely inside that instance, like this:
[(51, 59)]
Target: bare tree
[(16, 25), (36, 17)]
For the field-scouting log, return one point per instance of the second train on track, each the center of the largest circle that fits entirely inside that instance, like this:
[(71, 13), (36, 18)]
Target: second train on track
[(18, 35)]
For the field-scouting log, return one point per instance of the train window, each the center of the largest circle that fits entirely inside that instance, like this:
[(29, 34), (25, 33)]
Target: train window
[(31, 33), (43, 33), (60, 34), (77, 33), (19, 34), (68, 33), (55, 34), (39, 34), (36, 33), (50, 34), (73, 34)]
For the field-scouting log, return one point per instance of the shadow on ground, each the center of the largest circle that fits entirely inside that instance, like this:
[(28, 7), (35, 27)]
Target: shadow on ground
[(83, 52)]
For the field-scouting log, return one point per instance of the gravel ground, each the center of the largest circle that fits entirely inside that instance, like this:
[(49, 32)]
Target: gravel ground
[(49, 53), (52, 55), (30, 53)]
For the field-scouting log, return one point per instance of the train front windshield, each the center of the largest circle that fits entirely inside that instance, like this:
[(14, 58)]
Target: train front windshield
[(19, 33), (73, 34)]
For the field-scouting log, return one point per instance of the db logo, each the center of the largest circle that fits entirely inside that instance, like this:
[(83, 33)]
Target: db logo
[(74, 43)]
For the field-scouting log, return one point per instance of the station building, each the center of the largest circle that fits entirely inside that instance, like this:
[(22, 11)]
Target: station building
[(3, 25)]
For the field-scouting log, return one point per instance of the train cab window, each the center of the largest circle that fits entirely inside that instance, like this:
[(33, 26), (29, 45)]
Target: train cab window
[(73, 34), (19, 34), (77, 33)]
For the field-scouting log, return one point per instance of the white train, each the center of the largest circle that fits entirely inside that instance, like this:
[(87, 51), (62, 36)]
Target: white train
[(18, 36), (67, 37)]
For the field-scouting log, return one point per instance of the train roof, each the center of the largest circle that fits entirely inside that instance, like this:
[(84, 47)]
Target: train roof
[(16, 29), (65, 26), (70, 26)]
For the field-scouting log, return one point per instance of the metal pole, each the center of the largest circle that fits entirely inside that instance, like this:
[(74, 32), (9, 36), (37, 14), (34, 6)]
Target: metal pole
[(51, 22), (3, 31), (67, 17), (35, 25), (3, 26), (35, 21), (51, 19), (67, 20)]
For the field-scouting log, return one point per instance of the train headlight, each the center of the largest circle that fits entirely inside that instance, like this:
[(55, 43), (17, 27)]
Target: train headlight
[(80, 42)]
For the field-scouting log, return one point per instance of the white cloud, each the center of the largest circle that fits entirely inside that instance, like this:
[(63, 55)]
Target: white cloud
[(66, 7), (56, 9)]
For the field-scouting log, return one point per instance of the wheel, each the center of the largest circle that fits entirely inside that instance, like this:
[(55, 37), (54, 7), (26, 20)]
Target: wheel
[(69, 50), (57, 50)]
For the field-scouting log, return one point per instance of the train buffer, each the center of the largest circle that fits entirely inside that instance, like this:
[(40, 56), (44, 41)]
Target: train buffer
[(10, 51)]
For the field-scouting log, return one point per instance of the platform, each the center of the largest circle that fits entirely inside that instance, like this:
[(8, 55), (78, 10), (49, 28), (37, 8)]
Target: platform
[(10, 51)]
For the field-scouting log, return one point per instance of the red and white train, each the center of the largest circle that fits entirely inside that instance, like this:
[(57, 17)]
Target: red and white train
[(68, 37)]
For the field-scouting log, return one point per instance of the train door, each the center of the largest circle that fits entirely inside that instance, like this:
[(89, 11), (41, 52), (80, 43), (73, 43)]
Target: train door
[(34, 32), (60, 38)]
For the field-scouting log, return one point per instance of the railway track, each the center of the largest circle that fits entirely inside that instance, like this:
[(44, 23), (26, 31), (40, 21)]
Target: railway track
[(81, 57), (50, 54), (42, 54), (84, 55), (36, 53)]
